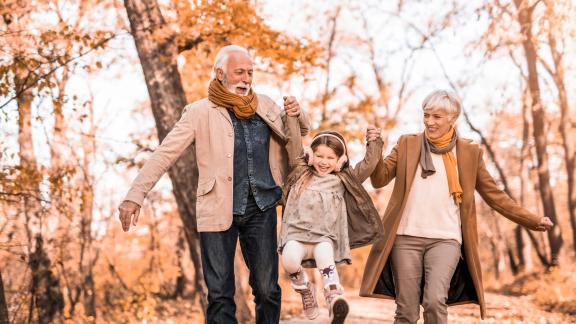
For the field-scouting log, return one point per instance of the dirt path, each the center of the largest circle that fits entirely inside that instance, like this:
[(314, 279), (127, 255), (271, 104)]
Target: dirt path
[(501, 309)]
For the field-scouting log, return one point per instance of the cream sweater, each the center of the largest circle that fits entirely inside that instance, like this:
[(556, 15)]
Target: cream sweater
[(430, 209)]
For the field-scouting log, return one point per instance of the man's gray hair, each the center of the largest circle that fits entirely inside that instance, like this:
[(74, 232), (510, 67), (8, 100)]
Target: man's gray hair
[(222, 57), (443, 99)]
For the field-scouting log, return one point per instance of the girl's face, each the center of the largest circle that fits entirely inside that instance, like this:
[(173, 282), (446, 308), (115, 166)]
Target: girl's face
[(325, 160)]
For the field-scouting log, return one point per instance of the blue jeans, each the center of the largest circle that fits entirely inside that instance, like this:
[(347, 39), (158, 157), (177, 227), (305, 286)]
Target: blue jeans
[(257, 232)]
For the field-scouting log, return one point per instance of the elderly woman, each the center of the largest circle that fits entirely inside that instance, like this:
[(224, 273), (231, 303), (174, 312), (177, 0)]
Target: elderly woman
[(429, 253)]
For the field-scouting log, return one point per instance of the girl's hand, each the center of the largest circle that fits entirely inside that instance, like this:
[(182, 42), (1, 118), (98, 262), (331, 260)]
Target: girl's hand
[(373, 133)]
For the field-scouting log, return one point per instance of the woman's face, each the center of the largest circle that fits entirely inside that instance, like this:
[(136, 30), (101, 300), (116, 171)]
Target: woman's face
[(437, 122), (325, 160)]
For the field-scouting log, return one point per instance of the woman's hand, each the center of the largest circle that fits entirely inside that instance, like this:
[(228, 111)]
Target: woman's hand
[(545, 224), (373, 133)]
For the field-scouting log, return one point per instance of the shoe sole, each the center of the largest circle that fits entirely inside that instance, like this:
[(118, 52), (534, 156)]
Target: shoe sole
[(313, 316), (340, 311)]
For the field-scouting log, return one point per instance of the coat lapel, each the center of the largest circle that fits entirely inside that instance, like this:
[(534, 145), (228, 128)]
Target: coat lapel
[(413, 146), (223, 111), (466, 172), (272, 117), (466, 166)]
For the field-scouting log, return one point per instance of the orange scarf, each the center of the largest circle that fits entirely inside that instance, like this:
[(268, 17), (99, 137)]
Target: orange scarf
[(450, 163), (243, 107)]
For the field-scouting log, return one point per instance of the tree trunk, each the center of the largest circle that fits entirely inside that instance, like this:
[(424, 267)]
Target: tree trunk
[(524, 154), (567, 141), (539, 129), (181, 279), (89, 292), (158, 60), (46, 296), (86, 184), (4, 316), (519, 239), (45, 288), (330, 52)]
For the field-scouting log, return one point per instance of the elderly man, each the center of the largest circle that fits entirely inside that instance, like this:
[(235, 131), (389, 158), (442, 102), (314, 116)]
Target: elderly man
[(242, 164), (429, 251)]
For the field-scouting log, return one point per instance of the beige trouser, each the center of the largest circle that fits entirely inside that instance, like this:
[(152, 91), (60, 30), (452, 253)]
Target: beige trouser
[(412, 257)]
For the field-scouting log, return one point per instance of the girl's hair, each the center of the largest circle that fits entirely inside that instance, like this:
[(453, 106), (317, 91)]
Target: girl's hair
[(331, 139), (323, 138)]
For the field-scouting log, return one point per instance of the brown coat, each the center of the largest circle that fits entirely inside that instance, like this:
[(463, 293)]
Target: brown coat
[(364, 224), (401, 164)]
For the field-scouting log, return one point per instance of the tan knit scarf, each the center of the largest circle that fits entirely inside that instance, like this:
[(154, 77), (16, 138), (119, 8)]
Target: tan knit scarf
[(444, 146), (243, 107)]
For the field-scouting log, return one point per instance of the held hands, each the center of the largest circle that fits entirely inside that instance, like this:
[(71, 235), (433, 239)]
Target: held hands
[(545, 224), (373, 133), (291, 106), (127, 209)]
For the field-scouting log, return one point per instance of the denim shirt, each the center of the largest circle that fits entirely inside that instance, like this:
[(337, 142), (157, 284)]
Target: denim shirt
[(253, 180)]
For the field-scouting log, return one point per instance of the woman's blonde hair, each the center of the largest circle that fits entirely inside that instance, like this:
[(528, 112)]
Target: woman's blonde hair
[(444, 100)]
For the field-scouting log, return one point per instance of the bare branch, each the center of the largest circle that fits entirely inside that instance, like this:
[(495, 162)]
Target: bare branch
[(189, 44), (51, 71)]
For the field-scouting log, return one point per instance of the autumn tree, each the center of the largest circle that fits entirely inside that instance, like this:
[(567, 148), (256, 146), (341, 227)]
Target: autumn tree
[(525, 19), (556, 27), (519, 30), (38, 59)]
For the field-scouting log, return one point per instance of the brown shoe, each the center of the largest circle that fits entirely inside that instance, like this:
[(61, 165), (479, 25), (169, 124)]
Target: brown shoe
[(309, 303)]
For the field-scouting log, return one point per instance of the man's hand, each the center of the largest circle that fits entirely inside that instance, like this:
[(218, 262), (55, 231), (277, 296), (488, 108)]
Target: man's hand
[(545, 224), (127, 209), (373, 133), (291, 106)]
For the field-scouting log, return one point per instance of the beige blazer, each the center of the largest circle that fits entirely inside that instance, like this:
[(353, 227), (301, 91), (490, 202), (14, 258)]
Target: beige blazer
[(209, 127)]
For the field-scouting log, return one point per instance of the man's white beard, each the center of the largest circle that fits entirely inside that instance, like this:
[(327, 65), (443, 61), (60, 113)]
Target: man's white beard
[(232, 88)]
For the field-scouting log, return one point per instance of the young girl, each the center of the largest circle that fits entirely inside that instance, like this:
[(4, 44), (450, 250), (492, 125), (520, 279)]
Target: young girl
[(327, 212)]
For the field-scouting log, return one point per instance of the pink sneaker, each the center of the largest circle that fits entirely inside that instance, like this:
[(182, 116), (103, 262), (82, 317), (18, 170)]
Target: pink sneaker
[(337, 306), (309, 303)]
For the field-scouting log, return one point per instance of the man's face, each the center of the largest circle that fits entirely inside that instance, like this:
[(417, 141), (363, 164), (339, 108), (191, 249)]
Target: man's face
[(437, 122), (238, 76)]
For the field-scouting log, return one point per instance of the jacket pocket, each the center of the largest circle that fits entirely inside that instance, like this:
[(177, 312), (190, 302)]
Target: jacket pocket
[(204, 202), (273, 115), (205, 186)]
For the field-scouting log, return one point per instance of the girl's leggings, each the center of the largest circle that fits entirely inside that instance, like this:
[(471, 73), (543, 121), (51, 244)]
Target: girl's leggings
[(294, 252)]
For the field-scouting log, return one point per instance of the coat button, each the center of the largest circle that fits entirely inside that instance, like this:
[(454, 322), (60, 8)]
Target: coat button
[(229, 178), (229, 134), (229, 155)]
